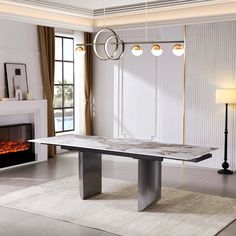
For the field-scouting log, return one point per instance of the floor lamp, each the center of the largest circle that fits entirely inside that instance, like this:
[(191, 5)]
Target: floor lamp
[(226, 96)]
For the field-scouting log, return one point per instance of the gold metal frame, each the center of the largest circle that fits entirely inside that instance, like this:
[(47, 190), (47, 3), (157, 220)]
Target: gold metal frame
[(184, 92), (184, 89)]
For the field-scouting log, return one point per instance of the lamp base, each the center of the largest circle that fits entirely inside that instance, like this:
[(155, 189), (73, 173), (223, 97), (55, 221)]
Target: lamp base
[(225, 172)]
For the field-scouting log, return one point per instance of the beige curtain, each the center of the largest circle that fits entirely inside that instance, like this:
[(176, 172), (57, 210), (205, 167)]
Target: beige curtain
[(88, 84), (47, 49)]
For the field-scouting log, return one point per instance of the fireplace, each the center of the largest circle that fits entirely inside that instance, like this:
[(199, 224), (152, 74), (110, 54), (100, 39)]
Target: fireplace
[(14, 146)]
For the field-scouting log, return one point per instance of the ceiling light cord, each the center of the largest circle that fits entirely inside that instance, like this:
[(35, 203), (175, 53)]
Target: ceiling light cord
[(136, 48), (104, 15), (146, 21)]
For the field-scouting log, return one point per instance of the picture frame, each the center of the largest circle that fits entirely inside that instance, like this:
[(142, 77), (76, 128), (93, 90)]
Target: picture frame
[(16, 75)]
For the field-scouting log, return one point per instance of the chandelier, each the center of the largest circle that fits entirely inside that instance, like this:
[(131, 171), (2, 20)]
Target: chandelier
[(114, 46)]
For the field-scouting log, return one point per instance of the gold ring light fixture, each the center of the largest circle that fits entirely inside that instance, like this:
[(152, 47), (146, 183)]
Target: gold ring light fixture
[(114, 47)]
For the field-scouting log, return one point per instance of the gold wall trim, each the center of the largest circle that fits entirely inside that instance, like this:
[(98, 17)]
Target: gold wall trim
[(184, 88), (184, 92)]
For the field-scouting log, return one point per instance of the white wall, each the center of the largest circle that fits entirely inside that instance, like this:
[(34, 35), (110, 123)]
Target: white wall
[(103, 97), (143, 97), (144, 112), (19, 43)]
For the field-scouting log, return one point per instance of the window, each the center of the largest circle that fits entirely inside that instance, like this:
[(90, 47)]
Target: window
[(64, 84)]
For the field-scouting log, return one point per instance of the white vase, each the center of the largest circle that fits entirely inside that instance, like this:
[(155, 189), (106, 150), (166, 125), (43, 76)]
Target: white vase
[(18, 94)]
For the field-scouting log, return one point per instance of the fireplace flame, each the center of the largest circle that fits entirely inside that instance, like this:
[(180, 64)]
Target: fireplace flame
[(13, 146)]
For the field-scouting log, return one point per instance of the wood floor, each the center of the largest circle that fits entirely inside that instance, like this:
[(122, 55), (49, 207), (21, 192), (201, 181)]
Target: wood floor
[(18, 223)]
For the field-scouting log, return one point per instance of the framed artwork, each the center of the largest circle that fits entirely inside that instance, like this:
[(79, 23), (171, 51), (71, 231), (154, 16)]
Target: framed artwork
[(16, 77)]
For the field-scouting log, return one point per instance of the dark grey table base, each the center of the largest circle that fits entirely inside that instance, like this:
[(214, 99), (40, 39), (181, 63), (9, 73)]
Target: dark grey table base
[(90, 174), (149, 154), (149, 178)]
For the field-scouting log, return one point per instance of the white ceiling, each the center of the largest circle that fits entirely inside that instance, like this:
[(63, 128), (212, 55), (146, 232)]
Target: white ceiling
[(87, 15), (94, 4)]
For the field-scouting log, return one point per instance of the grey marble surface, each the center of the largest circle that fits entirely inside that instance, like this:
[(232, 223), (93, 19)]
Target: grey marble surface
[(129, 146)]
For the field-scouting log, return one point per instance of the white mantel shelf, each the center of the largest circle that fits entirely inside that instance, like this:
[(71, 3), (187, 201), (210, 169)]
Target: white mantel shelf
[(21, 107), (35, 112)]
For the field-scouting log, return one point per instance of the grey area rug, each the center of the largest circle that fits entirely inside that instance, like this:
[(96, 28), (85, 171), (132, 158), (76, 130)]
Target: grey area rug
[(177, 213)]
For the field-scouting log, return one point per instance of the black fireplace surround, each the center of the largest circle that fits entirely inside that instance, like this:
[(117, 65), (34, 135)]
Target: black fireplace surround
[(14, 146)]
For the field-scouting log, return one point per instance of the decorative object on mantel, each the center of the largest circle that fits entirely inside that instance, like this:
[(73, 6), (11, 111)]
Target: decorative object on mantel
[(226, 96), (18, 93), (113, 40), (5, 99), (16, 76), (8, 99), (29, 96)]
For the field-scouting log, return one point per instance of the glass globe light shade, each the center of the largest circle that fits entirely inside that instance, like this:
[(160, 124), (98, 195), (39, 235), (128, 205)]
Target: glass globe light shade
[(156, 50), (80, 51), (137, 50), (178, 50)]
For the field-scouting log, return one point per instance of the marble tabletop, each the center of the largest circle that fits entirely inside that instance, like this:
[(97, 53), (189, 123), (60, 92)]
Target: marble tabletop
[(129, 146)]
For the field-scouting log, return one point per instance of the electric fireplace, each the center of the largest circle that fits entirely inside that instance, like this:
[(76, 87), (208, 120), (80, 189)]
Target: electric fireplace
[(14, 146)]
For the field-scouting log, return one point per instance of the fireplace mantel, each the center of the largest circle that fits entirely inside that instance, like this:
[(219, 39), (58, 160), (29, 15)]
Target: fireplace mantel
[(32, 111)]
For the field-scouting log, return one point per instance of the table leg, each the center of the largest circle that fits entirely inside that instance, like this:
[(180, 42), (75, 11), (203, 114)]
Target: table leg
[(149, 183), (90, 174)]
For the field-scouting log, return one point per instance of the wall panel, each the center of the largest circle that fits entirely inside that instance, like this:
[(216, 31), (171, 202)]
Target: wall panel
[(210, 64), (148, 90)]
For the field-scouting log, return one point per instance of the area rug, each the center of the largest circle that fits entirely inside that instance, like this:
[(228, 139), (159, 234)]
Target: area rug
[(177, 213)]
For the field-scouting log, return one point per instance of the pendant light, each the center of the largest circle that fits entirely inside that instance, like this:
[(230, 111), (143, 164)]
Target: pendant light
[(178, 50), (137, 50), (156, 50), (80, 51), (117, 51)]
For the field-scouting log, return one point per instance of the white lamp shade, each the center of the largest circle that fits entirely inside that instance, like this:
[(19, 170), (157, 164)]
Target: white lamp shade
[(226, 96)]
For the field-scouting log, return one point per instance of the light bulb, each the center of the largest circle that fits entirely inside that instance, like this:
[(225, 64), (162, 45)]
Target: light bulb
[(156, 50), (137, 50), (80, 50), (178, 50)]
